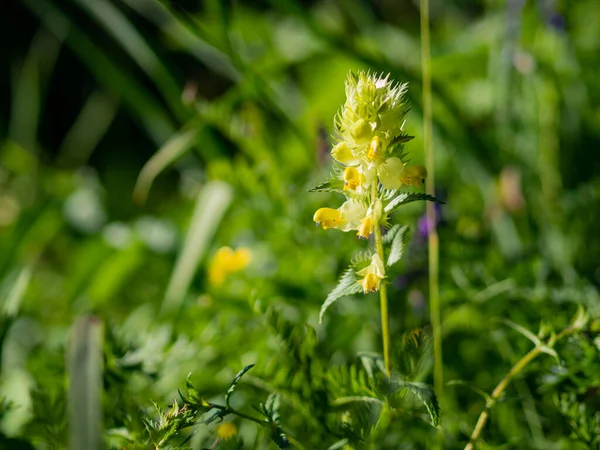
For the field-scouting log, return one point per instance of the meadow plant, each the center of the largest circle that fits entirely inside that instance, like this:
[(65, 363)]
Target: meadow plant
[(371, 168)]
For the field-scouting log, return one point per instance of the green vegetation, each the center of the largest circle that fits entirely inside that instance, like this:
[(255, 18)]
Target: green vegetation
[(162, 283)]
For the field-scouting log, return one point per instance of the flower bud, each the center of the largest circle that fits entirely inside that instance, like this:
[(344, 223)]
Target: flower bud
[(342, 153), (361, 131)]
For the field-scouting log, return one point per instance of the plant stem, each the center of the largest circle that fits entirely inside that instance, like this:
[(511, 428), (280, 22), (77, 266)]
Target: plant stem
[(485, 414), (520, 365), (230, 410), (385, 322), (433, 240)]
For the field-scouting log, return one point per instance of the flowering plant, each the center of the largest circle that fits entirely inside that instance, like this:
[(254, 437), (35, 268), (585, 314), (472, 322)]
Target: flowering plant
[(371, 168)]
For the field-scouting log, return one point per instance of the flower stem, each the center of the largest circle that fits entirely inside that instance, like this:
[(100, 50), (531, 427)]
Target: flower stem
[(385, 322), (485, 414), (433, 240), (520, 365), (230, 410)]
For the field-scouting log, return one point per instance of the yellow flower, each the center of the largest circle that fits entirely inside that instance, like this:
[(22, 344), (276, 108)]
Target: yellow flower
[(366, 228), (368, 223), (374, 148), (226, 431), (328, 218), (352, 178), (347, 217), (413, 176), (225, 262), (372, 275)]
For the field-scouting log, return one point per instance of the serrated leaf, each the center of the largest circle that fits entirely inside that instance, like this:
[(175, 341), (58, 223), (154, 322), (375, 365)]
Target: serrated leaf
[(235, 381), (371, 362), (405, 197), (330, 185), (361, 260), (424, 393), (402, 139), (348, 285), (396, 238)]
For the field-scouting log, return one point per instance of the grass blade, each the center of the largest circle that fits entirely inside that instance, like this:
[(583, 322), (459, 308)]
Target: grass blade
[(210, 208), (85, 386), (174, 148)]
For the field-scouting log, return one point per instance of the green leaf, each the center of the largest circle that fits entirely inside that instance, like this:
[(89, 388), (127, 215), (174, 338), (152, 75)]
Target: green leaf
[(272, 406), (361, 260), (402, 139), (173, 149), (211, 204), (524, 331), (423, 392), (235, 381), (338, 445), (271, 411), (280, 439), (16, 293), (396, 239), (405, 197), (348, 285), (330, 185)]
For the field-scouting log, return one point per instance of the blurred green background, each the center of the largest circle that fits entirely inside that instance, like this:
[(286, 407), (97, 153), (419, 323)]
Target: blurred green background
[(139, 136)]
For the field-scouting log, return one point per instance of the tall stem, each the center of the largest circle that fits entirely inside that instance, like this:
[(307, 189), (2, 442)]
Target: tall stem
[(433, 240), (385, 322)]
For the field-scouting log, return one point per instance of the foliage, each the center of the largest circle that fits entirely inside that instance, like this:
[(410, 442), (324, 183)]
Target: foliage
[(140, 137)]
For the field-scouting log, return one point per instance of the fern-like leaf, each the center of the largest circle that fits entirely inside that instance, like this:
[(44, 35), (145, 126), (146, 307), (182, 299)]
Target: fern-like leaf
[(235, 381), (423, 392)]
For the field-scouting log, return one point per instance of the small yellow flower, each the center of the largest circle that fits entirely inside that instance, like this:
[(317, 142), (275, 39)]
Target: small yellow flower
[(328, 218), (374, 148), (366, 228), (370, 283), (413, 176), (352, 178), (347, 217), (370, 221), (372, 275), (225, 262), (226, 431)]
